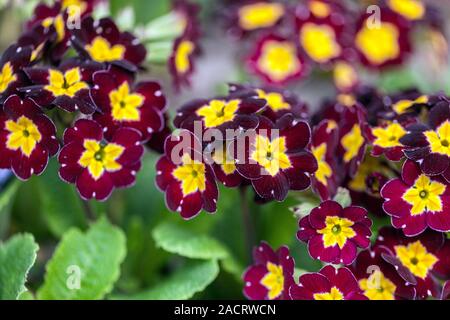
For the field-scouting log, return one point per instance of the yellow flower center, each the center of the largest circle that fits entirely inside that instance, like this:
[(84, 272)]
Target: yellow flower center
[(191, 175), (378, 287), (347, 100), (275, 100), (273, 280), (344, 76), (271, 155), (99, 158), (352, 142), (184, 50), (101, 50), (319, 42), (402, 106), (324, 171), (24, 135), (59, 25), (7, 76), (125, 105), (416, 258), (410, 9), (260, 15), (334, 294), (439, 140), (379, 44), (217, 112), (337, 230), (319, 9), (424, 195), (74, 7), (388, 137), (67, 84), (221, 157), (279, 60)]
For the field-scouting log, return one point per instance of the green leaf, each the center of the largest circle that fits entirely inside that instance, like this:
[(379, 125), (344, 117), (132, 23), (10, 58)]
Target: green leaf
[(85, 265), (17, 256), (182, 285), (6, 200), (175, 239), (62, 210)]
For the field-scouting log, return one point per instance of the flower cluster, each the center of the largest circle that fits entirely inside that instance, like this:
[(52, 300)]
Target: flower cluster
[(392, 153), (253, 136), (69, 71), (289, 40)]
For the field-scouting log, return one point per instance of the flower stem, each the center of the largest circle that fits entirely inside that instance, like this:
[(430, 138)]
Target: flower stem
[(249, 232), (88, 210)]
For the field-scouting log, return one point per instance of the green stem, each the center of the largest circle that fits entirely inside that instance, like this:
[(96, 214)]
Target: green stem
[(249, 232), (90, 215)]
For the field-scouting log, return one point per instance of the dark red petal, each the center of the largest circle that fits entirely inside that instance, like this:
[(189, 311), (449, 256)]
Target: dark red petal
[(191, 205), (318, 251), (90, 188), (319, 214), (306, 232), (439, 114), (153, 94), (297, 137), (412, 226), (23, 166), (435, 164), (125, 177), (356, 214), (264, 253), (211, 192), (348, 253), (440, 221), (315, 283), (304, 161), (83, 129), (269, 187), (68, 157), (342, 278), (164, 169), (253, 289)]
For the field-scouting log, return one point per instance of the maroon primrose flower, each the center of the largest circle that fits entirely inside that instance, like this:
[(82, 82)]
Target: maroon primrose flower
[(323, 146), (383, 43), (95, 165), (333, 234), (102, 41), (187, 180), (416, 259), (271, 275), (122, 104), (275, 159), (27, 138), (327, 284), (66, 87), (279, 101), (277, 60), (416, 201), (378, 279), (13, 59), (430, 145)]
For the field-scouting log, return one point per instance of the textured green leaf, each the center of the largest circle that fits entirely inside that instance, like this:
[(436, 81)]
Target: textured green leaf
[(62, 210), (176, 239), (17, 256), (182, 285), (6, 200), (93, 258)]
